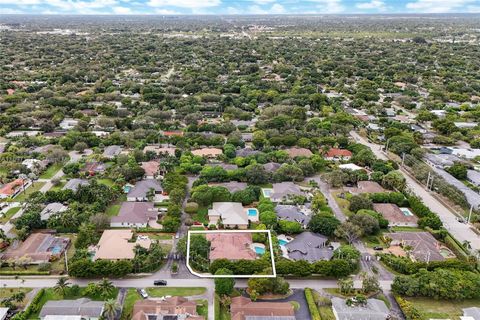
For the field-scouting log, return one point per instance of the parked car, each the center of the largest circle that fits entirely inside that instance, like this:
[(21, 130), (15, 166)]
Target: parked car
[(143, 293), (378, 248), (160, 283)]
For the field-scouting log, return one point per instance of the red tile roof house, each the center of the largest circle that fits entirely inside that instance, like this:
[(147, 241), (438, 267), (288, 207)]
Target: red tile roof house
[(231, 246), (151, 168), (243, 308), (170, 308), (93, 167), (135, 215), (11, 189), (335, 154), (173, 133)]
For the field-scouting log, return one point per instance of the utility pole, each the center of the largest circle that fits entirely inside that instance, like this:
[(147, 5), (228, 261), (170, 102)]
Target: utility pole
[(470, 214), (403, 159)]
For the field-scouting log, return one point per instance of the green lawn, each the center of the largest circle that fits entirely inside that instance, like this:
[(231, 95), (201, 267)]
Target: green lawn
[(51, 171), (59, 186), (202, 308), (442, 309), (8, 292), (130, 299), (176, 291), (10, 213), (22, 196), (223, 313), (113, 210), (50, 294), (107, 182), (342, 203), (201, 215)]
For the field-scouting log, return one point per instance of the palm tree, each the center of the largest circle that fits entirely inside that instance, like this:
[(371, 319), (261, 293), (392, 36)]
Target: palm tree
[(61, 286), (105, 287), (110, 309)]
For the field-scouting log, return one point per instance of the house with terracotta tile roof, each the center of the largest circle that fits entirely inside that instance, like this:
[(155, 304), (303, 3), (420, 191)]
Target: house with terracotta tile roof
[(37, 248), (11, 189), (243, 308), (118, 245), (298, 152), (170, 308), (208, 152), (335, 154), (151, 168), (173, 133), (231, 246)]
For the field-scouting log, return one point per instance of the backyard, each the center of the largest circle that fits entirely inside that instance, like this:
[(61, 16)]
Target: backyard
[(6, 293), (442, 309)]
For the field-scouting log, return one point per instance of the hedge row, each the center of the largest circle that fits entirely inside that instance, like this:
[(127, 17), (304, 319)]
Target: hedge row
[(312, 306), (404, 265), (32, 308), (453, 245), (336, 268), (408, 309), (24, 273), (216, 307)]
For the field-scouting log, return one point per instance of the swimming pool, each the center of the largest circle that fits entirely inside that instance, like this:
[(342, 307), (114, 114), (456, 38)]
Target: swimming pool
[(56, 250), (406, 212), (126, 189), (282, 242), (252, 212), (267, 192), (259, 250)]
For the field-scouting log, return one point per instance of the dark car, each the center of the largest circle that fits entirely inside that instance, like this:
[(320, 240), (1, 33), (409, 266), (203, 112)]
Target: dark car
[(378, 248), (159, 283)]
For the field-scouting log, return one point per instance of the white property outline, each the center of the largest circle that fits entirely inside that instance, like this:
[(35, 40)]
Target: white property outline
[(208, 275)]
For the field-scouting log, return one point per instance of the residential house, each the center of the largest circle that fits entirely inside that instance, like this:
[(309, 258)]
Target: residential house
[(173, 133), (144, 189), (473, 176), (208, 152), (68, 124), (52, 209), (4, 313), (292, 213), (467, 153), (350, 167), (247, 136), (367, 187), (74, 184), (232, 186), (374, 309), (283, 191), (396, 216), (172, 308), (111, 152), (22, 133), (231, 246), (298, 152), (118, 245), (93, 168), (243, 308), (35, 165), (37, 248), (335, 154), (135, 215), (423, 246), (465, 125), (224, 166), (309, 246), (151, 169), (472, 313), (246, 152), (230, 214), (160, 150), (83, 307), (11, 189), (271, 167), (441, 160)]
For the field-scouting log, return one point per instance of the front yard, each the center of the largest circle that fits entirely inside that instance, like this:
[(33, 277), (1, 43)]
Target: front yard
[(176, 291), (22, 196), (51, 171), (9, 214)]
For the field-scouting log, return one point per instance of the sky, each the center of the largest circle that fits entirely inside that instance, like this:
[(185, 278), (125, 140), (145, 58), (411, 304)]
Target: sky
[(233, 7)]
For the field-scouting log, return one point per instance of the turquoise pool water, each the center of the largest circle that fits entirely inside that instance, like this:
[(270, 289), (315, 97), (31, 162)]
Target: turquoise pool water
[(126, 189), (406, 212), (259, 250), (282, 242), (267, 192), (56, 250), (252, 212)]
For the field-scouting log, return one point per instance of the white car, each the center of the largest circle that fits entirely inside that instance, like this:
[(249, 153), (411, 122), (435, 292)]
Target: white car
[(143, 293)]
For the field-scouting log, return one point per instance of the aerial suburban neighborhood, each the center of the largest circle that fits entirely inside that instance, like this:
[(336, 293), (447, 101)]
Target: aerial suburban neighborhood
[(239, 167)]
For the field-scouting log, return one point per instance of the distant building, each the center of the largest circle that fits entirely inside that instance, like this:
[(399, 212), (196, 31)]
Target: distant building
[(11, 189), (112, 151), (298, 152), (208, 152), (271, 166), (335, 154), (232, 186), (68, 124), (473, 176), (160, 150), (74, 184), (283, 191)]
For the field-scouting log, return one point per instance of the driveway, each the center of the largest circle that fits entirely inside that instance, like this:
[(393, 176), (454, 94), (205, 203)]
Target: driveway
[(298, 296)]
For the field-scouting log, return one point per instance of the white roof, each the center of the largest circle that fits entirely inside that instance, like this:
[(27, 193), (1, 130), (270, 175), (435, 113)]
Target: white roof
[(232, 213), (53, 317), (350, 166), (3, 313)]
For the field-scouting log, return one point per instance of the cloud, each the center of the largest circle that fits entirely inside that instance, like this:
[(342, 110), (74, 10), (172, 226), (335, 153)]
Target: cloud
[(374, 4), (121, 10), (233, 10), (438, 6), (184, 3), (329, 6), (263, 1), (12, 11), (277, 8), (166, 11), (20, 2), (274, 9)]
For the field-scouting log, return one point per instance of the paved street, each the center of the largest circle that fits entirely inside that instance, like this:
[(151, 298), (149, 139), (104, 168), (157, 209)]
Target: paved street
[(460, 231)]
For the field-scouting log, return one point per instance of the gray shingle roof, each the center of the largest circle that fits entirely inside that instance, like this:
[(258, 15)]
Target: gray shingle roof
[(291, 213), (473, 312), (112, 151), (136, 212), (309, 246), (473, 198), (142, 187), (73, 184), (84, 307)]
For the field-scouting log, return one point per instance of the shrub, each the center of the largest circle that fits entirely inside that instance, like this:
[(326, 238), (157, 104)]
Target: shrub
[(315, 315), (191, 207), (408, 309)]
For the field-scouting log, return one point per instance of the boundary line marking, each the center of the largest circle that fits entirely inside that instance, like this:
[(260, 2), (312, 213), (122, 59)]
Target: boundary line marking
[(208, 275)]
